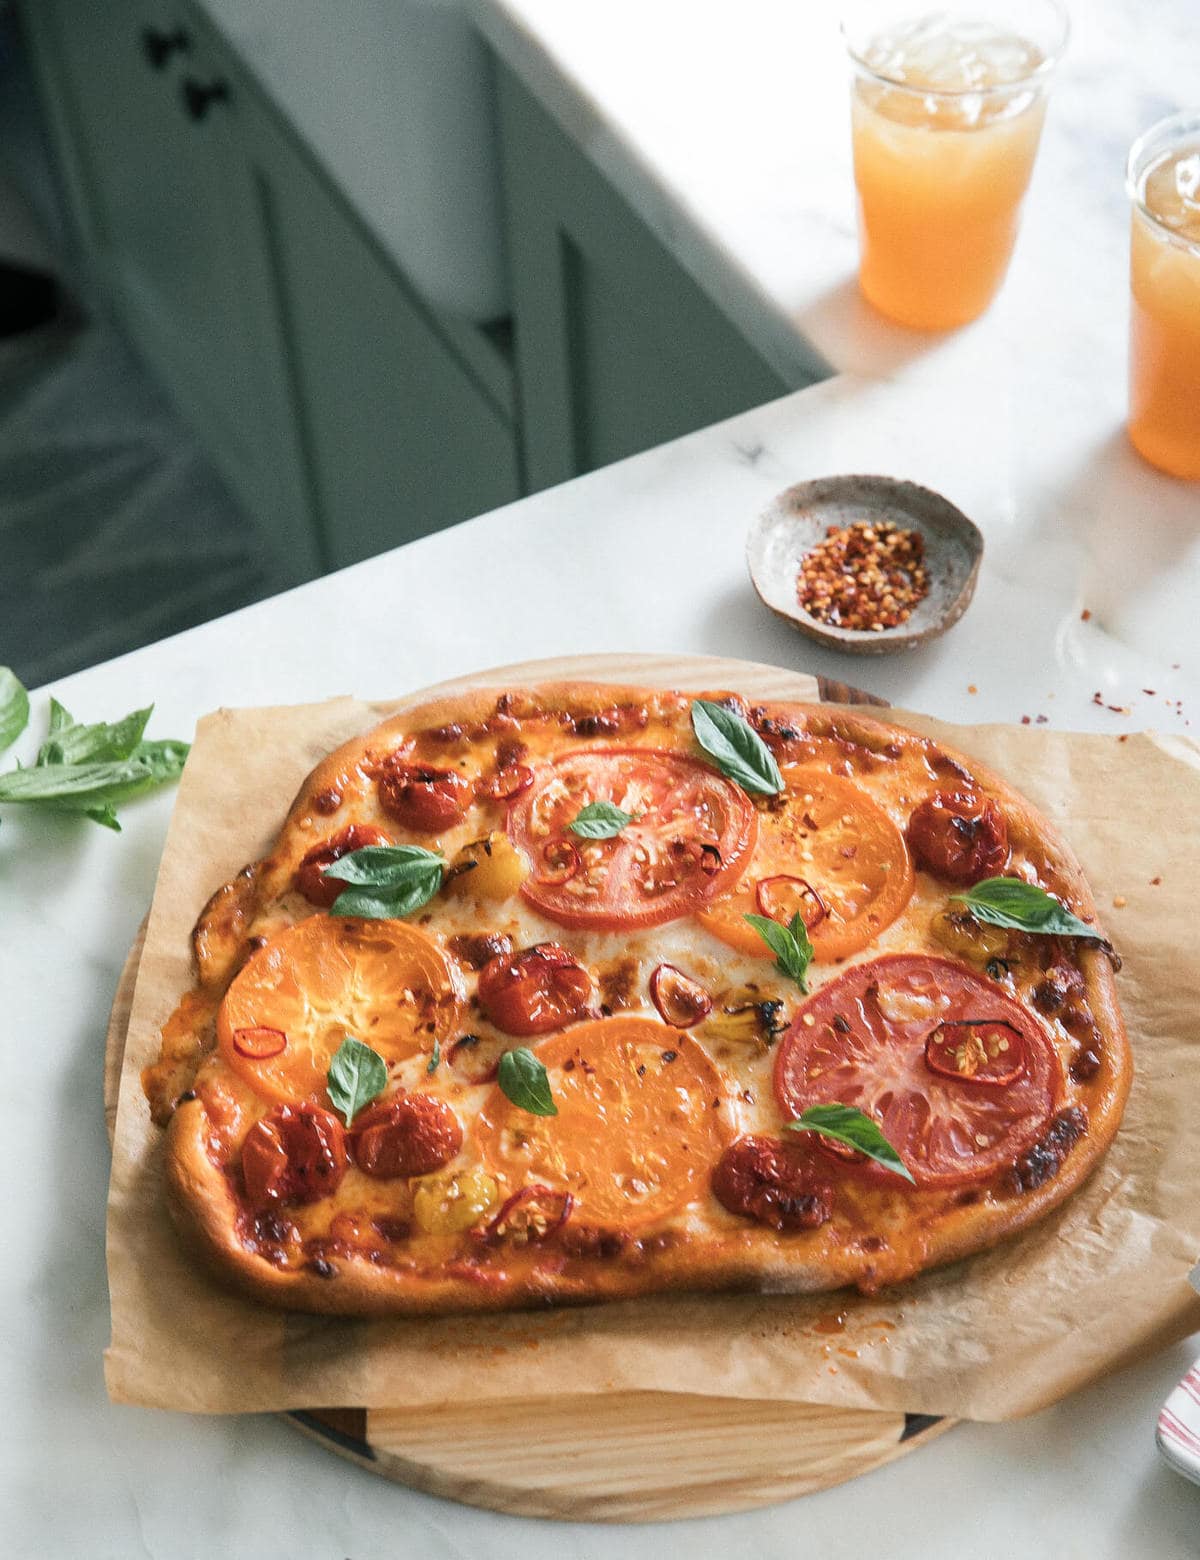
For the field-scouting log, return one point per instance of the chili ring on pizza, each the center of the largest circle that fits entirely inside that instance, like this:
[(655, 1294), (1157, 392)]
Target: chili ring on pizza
[(579, 992)]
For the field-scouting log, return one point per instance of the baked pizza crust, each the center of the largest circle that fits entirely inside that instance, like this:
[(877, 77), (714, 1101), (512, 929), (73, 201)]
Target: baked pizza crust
[(706, 1248)]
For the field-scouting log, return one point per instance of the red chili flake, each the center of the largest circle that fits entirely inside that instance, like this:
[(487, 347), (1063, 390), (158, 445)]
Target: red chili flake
[(971, 688), (1086, 615), (1124, 737), (1043, 720), (1025, 720), (1155, 881), (1150, 691), (868, 575), (1096, 699)]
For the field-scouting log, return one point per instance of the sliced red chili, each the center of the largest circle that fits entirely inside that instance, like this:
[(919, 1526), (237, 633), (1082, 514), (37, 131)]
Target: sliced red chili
[(559, 864), (976, 1050), (783, 897), (533, 1213), (506, 783), (259, 1043), (680, 1000)]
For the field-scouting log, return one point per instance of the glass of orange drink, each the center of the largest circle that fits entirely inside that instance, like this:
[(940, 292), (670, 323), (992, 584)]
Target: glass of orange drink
[(1164, 337), (947, 107)]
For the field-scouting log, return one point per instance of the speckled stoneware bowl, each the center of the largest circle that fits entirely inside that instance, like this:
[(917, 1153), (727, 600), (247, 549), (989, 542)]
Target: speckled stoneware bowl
[(798, 519)]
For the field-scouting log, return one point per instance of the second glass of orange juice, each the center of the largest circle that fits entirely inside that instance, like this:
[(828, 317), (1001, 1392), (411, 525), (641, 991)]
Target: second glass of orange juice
[(1164, 338), (947, 108)]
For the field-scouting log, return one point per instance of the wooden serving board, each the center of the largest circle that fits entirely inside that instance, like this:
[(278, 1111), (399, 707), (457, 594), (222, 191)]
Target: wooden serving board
[(617, 1457)]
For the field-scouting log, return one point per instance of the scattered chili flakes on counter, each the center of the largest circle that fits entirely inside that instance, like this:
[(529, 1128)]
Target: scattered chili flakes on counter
[(865, 576)]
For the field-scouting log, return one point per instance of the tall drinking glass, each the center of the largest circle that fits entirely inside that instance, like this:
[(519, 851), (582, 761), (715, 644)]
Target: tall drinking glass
[(946, 112), (1164, 337)]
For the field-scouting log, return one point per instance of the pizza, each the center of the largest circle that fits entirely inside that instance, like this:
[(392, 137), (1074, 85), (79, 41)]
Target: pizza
[(579, 992)]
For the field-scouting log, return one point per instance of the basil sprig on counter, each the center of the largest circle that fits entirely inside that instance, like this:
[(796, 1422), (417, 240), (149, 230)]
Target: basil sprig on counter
[(737, 749), (523, 1079), (845, 1124), (1011, 902), (790, 944), (600, 821), (14, 707), (88, 769), (387, 882), (356, 1076)]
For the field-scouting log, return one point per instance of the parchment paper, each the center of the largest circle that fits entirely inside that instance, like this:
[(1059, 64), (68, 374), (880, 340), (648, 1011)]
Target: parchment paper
[(1097, 1285)]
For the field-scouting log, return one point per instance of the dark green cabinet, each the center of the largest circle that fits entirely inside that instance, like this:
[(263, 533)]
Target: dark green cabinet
[(347, 413), (618, 348), (170, 211), (401, 439), (348, 416)]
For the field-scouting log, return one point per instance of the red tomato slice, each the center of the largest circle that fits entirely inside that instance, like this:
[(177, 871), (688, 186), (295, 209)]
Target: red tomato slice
[(691, 836), (861, 1041)]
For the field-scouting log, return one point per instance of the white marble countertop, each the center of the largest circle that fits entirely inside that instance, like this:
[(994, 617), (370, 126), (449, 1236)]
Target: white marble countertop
[(1022, 429)]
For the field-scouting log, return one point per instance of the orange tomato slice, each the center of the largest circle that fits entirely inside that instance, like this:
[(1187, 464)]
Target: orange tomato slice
[(640, 1122), (832, 835), (384, 982)]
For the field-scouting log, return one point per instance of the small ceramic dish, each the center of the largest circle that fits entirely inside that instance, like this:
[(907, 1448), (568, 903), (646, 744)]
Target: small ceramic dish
[(1178, 1433), (800, 517)]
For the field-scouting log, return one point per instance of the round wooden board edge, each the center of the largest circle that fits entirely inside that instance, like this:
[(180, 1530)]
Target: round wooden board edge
[(347, 1431)]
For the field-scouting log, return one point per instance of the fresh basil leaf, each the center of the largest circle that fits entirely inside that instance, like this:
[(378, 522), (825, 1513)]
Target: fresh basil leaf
[(105, 817), (14, 707), (382, 866), (164, 758), (1012, 902), (847, 1125), (435, 1057), (600, 821), (790, 944), (103, 743), (523, 1079), (78, 787), (740, 753), (60, 716), (387, 882), (356, 1076)]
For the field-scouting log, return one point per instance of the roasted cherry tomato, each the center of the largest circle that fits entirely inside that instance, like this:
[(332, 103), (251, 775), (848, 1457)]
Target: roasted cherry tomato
[(427, 800), (959, 836), (680, 1000), (310, 874), (772, 1181), (296, 1154), (861, 1041), (639, 1122), (976, 1050), (784, 897), (505, 783), (688, 839), (535, 991), (829, 851), (407, 1134)]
